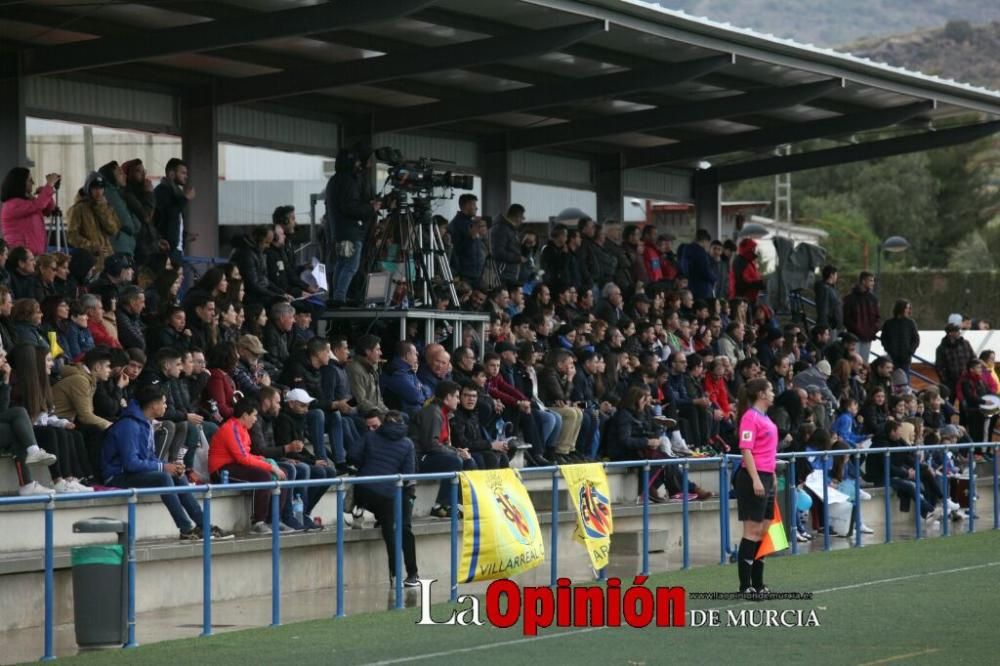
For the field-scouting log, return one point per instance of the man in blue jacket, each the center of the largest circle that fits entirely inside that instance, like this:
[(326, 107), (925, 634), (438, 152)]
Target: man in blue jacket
[(401, 385), (699, 267), (129, 460)]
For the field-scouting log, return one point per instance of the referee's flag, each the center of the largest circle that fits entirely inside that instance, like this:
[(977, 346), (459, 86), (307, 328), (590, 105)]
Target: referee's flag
[(775, 538)]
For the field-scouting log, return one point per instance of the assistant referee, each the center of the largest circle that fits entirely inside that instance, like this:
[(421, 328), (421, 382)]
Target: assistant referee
[(754, 482)]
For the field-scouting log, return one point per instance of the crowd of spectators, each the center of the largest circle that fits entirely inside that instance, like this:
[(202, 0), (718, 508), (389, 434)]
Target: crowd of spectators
[(605, 341)]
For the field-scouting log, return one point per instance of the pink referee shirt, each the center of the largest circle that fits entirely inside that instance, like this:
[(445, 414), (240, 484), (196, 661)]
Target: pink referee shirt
[(759, 435)]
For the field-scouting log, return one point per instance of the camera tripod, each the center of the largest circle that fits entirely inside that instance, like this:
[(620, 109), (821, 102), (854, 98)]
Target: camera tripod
[(421, 245)]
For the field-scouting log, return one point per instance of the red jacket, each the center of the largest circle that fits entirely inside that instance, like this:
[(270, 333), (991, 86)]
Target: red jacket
[(500, 389), (716, 391), (221, 389), (231, 446), (861, 315), (651, 259), (23, 220), (747, 281), (101, 336)]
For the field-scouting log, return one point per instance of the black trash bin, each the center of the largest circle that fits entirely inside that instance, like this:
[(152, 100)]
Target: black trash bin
[(100, 604)]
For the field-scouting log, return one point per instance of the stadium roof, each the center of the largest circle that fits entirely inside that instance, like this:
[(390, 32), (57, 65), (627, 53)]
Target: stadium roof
[(619, 78)]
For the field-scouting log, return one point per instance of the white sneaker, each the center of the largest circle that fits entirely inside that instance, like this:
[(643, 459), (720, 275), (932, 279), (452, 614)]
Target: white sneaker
[(866, 530), (75, 486), (33, 488), (260, 527), (864, 496), (953, 505), (39, 457), (61, 486)]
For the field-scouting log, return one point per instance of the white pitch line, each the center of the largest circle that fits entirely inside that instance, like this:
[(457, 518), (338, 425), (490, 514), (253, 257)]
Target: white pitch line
[(577, 632)]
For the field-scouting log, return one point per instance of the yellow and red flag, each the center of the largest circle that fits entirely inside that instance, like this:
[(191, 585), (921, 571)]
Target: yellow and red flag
[(591, 498), (775, 539)]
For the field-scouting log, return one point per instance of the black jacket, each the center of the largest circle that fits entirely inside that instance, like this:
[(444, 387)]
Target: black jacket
[(24, 286), (131, 331), (299, 373), (171, 209), (278, 345), (281, 270), (348, 203), (466, 433), (425, 429), (505, 247), (829, 309), (386, 452), (177, 400), (590, 267), (900, 340), (248, 256), (627, 436)]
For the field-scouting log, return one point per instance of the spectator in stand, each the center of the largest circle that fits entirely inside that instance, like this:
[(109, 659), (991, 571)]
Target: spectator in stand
[(721, 258), (970, 393), (903, 468), (278, 337), (27, 317), (202, 322), (747, 280), (829, 309), (130, 224), (900, 337), (555, 382), (384, 452), (589, 255), (249, 375), (952, 357), (77, 334), (129, 461), (249, 256), (400, 385), (131, 330), (141, 202), (73, 398), (700, 268), (875, 412), (430, 429), (23, 209), (468, 250), (506, 248), (652, 268), (611, 308), (363, 375), (90, 221), (229, 451), (163, 293), (21, 269), (171, 331), (179, 418), (437, 366), (880, 375), (467, 432), (172, 196), (554, 258), (861, 313), (16, 429), (229, 314), (220, 389), (517, 406), (6, 325), (282, 269)]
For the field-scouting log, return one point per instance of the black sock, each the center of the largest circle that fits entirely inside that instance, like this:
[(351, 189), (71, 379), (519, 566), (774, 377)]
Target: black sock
[(744, 562), (757, 572)]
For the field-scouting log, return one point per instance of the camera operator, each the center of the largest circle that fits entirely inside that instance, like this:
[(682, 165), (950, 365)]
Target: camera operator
[(351, 208)]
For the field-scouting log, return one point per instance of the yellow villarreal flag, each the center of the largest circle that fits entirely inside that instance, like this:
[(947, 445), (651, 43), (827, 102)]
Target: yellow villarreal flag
[(56, 350), (591, 497), (500, 532), (775, 538)]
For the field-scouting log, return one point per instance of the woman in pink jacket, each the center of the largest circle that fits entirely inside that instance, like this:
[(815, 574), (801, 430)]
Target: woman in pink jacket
[(22, 215)]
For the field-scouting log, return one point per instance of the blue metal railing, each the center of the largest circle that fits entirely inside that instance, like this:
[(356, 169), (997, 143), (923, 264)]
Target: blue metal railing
[(644, 466)]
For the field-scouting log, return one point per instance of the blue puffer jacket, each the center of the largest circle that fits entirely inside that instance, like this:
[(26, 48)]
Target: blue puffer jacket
[(386, 451), (401, 383), (128, 446)]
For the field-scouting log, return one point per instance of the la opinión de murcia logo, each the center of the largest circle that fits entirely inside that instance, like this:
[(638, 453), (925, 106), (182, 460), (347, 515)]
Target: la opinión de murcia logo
[(541, 607)]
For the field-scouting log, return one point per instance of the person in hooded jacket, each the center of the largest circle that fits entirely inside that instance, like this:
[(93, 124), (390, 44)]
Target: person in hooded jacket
[(128, 460), (400, 384), (114, 177), (385, 452), (746, 277), (91, 222), (249, 256), (351, 208), (141, 202)]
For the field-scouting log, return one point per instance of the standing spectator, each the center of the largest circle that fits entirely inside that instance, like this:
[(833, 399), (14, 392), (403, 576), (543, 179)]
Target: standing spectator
[(746, 278), (23, 209), (861, 313), (506, 248), (91, 222), (632, 247), (650, 254), (172, 196), (590, 267), (141, 203), (230, 452), (351, 208), (952, 357), (384, 452), (699, 267), (829, 309), (468, 253), (131, 224), (721, 258), (900, 337)]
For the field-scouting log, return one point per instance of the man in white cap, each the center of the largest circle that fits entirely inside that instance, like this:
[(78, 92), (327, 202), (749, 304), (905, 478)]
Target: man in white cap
[(955, 318)]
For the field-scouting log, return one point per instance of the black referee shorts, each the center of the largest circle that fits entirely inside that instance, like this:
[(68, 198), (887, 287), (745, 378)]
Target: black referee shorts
[(748, 505)]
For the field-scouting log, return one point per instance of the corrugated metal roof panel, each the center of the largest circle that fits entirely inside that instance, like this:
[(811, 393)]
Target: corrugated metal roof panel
[(251, 126), (101, 105)]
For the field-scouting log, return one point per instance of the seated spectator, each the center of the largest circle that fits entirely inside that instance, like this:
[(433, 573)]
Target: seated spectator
[(96, 320), (400, 385), (248, 254), (388, 451), (109, 398), (179, 417), (45, 277), (56, 324), (131, 330), (16, 429), (118, 272), (278, 338), (302, 330), (363, 374), (431, 431), (554, 388), (21, 269), (230, 451), (171, 331), (73, 398), (129, 460), (437, 367), (282, 439), (220, 391), (467, 433), (229, 321), (903, 468), (201, 321), (27, 318), (517, 407), (249, 375), (875, 412)]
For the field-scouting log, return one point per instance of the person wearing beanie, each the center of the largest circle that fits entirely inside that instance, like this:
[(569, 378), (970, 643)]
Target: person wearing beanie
[(91, 222)]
